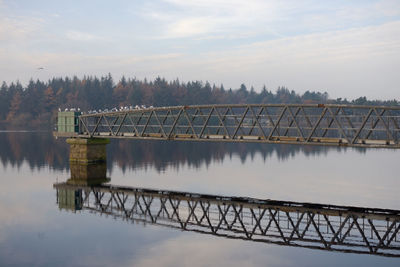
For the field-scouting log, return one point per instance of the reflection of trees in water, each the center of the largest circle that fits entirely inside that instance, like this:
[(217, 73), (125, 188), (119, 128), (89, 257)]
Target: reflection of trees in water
[(162, 154), (38, 149), (41, 149)]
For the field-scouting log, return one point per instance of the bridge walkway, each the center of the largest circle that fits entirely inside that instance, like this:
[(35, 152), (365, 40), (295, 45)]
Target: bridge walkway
[(323, 124)]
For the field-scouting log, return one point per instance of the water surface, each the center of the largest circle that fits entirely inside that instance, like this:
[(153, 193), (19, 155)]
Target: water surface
[(34, 231)]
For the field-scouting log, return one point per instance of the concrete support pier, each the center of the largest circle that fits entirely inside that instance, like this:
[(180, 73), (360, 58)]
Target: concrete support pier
[(87, 160), (88, 174), (87, 150)]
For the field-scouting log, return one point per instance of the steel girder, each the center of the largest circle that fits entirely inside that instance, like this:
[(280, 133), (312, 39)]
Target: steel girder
[(347, 125), (315, 226)]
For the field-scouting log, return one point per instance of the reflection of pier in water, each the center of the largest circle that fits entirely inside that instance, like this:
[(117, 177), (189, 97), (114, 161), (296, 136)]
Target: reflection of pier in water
[(316, 226)]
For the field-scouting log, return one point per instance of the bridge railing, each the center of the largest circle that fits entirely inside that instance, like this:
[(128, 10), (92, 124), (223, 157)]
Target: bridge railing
[(316, 226), (349, 125)]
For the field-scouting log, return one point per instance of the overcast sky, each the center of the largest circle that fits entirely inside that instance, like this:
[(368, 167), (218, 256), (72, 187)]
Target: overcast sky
[(347, 48)]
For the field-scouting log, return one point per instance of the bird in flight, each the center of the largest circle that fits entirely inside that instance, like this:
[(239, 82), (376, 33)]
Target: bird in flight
[(40, 68)]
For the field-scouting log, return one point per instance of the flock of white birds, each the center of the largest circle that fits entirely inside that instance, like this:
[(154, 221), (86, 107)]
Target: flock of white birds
[(126, 108)]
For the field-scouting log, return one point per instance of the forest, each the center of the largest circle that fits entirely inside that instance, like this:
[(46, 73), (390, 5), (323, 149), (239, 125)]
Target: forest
[(36, 103)]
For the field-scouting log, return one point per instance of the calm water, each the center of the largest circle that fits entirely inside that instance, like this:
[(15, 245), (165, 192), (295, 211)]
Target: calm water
[(34, 231)]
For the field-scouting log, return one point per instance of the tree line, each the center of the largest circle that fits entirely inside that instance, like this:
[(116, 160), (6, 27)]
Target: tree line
[(37, 102)]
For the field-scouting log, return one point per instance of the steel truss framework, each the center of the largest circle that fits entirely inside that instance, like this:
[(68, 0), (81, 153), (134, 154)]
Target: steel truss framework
[(365, 126), (315, 226)]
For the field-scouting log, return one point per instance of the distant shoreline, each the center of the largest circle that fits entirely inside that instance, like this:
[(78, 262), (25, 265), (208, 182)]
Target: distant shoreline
[(10, 127), (23, 131)]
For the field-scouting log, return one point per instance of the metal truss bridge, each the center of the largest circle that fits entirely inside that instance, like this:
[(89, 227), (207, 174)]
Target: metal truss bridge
[(346, 125), (315, 226)]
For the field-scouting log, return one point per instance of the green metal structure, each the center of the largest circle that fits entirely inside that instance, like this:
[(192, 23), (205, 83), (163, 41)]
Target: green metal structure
[(69, 199), (68, 121)]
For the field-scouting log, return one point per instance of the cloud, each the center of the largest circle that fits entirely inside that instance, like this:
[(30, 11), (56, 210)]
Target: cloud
[(330, 46), (16, 206), (189, 27), (207, 19), (81, 36), (206, 251), (305, 45), (203, 18), (388, 7), (13, 29), (19, 213), (346, 63)]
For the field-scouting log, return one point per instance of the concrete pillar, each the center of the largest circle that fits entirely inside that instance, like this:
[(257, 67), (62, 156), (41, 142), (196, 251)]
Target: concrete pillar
[(91, 150), (88, 174), (87, 160)]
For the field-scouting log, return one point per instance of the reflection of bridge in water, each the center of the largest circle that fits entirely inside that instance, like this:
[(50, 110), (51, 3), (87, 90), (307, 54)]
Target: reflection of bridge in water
[(315, 226)]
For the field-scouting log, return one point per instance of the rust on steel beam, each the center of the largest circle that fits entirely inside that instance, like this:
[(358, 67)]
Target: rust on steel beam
[(335, 125), (310, 225)]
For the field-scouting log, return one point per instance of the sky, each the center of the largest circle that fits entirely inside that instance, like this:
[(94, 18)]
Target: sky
[(346, 48)]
